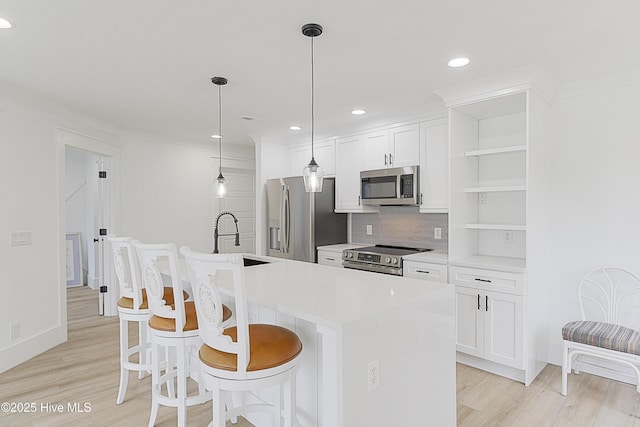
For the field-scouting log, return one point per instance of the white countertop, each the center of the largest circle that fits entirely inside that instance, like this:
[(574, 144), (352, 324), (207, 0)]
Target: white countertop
[(327, 295), (341, 247), (512, 265), (436, 257)]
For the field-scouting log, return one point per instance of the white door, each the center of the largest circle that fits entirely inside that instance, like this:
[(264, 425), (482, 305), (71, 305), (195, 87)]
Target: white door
[(348, 167), (470, 321), (504, 329), (101, 252), (405, 145), (375, 151), (434, 166)]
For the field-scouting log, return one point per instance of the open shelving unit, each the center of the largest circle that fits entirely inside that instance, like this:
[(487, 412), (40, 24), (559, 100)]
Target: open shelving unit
[(488, 217), (499, 224)]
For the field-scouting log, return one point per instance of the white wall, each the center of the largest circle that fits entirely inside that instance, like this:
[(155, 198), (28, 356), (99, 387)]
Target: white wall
[(596, 189), (167, 190), (32, 188)]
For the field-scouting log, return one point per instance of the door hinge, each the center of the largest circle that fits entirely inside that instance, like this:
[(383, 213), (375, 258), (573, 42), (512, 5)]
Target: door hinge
[(103, 289), (102, 174), (103, 231)]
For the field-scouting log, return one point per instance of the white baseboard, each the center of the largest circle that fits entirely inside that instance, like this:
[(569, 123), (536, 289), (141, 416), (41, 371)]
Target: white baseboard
[(92, 282), (24, 350), (494, 368)]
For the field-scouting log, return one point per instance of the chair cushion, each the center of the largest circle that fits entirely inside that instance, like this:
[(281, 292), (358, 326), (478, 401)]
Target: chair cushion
[(271, 346), (169, 325), (125, 302), (604, 335), (191, 324)]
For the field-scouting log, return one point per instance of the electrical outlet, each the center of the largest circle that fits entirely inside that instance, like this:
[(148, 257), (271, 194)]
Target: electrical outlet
[(15, 331), (437, 233), (508, 236), (373, 375), (369, 229)]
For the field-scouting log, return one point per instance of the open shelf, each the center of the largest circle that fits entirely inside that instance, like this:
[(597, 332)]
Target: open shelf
[(495, 189), (499, 150), (514, 265), (513, 227)]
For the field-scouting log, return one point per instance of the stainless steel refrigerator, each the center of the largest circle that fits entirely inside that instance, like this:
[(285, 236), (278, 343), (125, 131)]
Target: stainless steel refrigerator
[(299, 222)]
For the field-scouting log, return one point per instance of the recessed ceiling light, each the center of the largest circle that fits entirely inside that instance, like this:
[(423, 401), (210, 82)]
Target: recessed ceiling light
[(458, 62), (358, 112), (216, 136), (295, 128), (4, 24)]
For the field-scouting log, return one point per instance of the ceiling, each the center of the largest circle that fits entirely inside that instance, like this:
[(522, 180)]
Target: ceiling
[(144, 66)]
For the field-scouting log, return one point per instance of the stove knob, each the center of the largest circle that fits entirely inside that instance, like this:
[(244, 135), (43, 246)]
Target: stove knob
[(394, 261), (349, 254), (387, 260)]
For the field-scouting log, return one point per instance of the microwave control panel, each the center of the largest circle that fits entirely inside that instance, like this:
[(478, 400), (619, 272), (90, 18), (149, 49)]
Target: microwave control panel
[(406, 182)]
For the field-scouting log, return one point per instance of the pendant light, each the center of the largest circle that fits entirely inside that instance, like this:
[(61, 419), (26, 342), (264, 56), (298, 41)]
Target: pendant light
[(312, 173), (220, 183)]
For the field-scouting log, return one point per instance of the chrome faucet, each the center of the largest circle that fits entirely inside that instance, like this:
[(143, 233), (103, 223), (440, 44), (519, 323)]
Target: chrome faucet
[(216, 235)]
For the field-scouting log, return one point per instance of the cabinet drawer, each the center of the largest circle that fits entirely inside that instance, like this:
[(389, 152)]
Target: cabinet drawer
[(330, 258), (425, 271), (498, 281)]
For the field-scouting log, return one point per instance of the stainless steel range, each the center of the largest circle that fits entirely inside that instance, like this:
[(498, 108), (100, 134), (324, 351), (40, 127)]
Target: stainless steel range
[(378, 258)]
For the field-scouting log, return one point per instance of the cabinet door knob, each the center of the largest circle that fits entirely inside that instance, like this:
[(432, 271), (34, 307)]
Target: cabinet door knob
[(482, 280), (478, 301), (486, 303), (390, 159), (385, 159)]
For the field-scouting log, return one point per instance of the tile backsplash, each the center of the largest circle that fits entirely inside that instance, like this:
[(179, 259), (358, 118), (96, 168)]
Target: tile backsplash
[(400, 226)]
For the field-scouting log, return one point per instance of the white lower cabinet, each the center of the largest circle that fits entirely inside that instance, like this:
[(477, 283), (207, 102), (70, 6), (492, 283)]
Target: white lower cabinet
[(489, 324), (333, 259), (425, 271)]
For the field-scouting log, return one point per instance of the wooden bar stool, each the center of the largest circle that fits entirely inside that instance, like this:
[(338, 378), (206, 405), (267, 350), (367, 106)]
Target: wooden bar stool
[(243, 357), (173, 326)]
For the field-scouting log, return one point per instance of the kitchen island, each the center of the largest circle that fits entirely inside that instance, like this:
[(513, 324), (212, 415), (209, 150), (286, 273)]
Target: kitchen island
[(378, 350)]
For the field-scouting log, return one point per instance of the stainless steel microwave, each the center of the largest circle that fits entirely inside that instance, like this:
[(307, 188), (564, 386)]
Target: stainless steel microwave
[(392, 186)]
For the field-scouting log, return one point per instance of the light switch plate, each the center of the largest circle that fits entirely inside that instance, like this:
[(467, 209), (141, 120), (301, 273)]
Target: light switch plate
[(20, 238), (369, 229)]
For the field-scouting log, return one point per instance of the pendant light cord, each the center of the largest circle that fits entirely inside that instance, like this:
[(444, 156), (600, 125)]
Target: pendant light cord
[(220, 129), (312, 101)]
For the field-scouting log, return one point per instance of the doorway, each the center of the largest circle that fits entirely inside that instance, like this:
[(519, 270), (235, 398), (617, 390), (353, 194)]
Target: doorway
[(88, 213)]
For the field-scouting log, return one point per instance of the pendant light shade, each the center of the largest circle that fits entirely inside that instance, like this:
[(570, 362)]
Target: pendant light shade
[(220, 183), (312, 173)]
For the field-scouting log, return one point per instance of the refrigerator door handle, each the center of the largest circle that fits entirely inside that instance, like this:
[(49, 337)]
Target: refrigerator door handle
[(285, 221), (281, 220)]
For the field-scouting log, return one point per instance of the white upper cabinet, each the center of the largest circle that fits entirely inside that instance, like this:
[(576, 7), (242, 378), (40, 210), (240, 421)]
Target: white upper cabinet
[(348, 166), (325, 155), (375, 153), (434, 167), (404, 146), (393, 147)]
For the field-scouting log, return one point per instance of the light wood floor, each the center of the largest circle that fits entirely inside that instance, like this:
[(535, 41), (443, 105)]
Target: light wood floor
[(85, 369)]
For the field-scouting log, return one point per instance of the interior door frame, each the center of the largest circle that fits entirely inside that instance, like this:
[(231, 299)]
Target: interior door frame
[(64, 138)]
